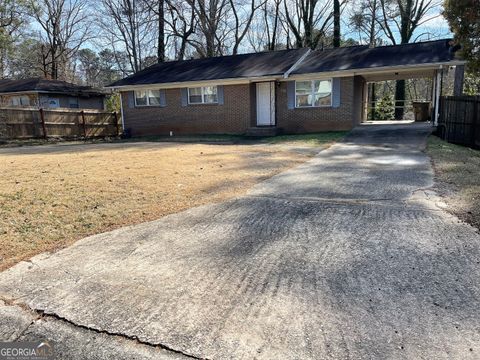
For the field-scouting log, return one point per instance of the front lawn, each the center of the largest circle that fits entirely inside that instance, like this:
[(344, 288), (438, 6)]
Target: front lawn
[(52, 195), (457, 178)]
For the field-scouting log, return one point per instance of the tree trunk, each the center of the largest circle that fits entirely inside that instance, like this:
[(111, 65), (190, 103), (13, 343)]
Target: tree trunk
[(373, 22), (336, 23), (399, 99), (161, 31)]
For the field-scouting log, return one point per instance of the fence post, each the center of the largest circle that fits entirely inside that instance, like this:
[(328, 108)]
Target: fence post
[(42, 118), (84, 124), (474, 125), (117, 125)]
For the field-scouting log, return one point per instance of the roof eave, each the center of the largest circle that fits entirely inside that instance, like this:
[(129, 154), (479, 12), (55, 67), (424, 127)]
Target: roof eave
[(183, 84), (360, 71)]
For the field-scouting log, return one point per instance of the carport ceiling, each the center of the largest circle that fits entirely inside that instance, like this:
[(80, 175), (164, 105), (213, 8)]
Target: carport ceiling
[(384, 75)]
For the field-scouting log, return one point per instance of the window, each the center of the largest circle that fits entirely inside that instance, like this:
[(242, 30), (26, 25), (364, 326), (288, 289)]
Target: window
[(147, 98), (154, 97), (23, 100), (73, 103), (313, 93), (202, 95), (53, 103)]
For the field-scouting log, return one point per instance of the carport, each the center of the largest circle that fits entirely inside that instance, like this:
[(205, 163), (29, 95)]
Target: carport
[(428, 60), (434, 72)]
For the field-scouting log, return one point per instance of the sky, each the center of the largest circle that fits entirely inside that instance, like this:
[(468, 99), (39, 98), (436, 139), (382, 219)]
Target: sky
[(435, 28)]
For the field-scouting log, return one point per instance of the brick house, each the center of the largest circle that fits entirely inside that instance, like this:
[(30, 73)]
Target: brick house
[(292, 91), (49, 94)]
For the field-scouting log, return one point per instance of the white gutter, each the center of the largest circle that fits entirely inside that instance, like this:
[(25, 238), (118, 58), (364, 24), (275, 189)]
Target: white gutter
[(173, 85), (121, 112), (383, 69), (297, 63)]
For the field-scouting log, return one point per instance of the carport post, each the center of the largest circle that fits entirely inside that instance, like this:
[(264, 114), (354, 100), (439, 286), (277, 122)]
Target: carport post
[(438, 93)]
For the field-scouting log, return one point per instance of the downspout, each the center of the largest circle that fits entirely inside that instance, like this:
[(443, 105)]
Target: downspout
[(121, 112), (297, 63), (438, 93)]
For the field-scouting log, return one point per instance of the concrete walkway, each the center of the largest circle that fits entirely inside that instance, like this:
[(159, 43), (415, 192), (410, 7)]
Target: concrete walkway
[(346, 256)]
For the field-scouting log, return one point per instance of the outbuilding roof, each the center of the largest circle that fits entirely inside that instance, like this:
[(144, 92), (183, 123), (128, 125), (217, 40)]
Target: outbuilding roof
[(293, 61), (47, 86)]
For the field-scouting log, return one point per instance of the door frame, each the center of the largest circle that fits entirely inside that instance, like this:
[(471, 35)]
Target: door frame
[(271, 99)]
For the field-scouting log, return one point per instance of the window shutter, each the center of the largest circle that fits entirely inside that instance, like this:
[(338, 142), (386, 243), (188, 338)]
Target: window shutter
[(336, 92), (220, 94), (291, 94), (130, 99), (163, 99), (184, 96)]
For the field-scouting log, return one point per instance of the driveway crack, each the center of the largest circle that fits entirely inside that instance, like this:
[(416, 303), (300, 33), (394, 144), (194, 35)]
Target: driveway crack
[(42, 315)]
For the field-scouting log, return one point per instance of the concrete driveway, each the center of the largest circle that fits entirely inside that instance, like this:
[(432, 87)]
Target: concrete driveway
[(347, 256)]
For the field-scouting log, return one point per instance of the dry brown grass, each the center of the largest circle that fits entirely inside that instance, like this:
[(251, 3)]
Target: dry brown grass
[(52, 195), (457, 178)]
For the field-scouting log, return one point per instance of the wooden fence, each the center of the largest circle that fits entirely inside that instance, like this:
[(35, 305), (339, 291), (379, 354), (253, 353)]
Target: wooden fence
[(26, 123), (459, 121)]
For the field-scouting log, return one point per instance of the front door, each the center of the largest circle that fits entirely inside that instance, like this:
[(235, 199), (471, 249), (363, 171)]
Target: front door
[(265, 104)]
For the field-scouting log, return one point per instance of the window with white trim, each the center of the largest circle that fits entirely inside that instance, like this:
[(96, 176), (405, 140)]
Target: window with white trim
[(313, 93), (203, 95), (147, 98)]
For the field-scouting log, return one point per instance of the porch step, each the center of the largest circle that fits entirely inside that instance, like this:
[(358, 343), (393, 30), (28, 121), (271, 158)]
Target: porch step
[(262, 131)]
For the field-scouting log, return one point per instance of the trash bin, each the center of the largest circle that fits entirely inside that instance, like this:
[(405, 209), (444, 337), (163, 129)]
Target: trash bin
[(421, 110)]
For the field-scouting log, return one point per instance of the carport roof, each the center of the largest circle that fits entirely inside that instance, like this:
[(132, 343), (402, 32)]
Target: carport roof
[(364, 57)]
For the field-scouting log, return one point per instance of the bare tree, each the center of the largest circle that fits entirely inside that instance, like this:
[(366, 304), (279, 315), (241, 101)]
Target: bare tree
[(399, 21), (265, 30), (157, 9), (364, 20), (308, 20), (274, 15), (211, 25), (13, 18), (181, 21), (242, 21), (336, 23), (64, 29), (127, 27)]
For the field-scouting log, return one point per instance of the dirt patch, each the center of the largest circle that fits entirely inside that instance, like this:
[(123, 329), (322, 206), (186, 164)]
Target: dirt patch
[(457, 178), (52, 195)]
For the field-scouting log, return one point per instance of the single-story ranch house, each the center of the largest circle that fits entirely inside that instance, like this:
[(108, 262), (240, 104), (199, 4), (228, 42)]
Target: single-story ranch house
[(50, 94), (294, 91)]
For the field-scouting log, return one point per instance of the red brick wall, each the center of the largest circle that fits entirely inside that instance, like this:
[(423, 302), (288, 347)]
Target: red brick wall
[(237, 113), (233, 117), (307, 120)]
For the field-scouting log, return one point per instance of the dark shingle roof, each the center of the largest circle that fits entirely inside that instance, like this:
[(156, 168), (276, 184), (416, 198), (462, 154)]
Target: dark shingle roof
[(44, 85), (363, 57), (222, 67), (276, 63)]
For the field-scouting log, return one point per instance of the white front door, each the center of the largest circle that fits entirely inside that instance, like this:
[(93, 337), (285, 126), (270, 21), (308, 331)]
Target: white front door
[(265, 103)]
